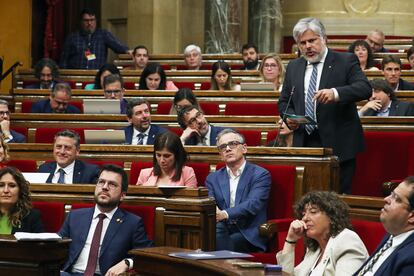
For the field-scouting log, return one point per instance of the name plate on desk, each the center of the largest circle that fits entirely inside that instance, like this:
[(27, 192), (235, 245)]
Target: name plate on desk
[(209, 255)]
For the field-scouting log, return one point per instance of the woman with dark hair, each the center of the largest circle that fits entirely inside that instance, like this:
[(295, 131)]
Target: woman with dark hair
[(153, 78), (221, 77), (183, 97), (106, 70), (16, 213), (169, 164), (4, 152), (364, 53), (332, 248)]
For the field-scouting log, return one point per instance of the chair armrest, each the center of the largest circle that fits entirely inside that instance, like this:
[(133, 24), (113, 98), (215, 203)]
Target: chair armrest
[(269, 230)]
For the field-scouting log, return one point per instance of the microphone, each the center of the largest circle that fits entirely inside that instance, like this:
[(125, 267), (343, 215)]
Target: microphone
[(284, 117)]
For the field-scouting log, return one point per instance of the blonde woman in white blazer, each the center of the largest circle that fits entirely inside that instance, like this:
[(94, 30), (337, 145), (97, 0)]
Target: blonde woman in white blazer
[(332, 249)]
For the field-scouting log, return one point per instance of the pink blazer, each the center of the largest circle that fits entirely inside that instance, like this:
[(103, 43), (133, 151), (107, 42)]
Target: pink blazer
[(169, 85), (188, 178)]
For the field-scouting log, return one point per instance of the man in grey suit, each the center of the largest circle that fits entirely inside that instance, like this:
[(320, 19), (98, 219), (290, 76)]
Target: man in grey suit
[(325, 85), (384, 103)]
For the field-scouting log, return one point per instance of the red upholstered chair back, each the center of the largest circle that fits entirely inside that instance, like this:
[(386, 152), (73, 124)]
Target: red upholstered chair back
[(253, 137), (27, 105), (191, 85), (164, 107), (52, 214), (147, 213), (251, 108), (201, 171), (388, 155), (210, 108), (370, 232), (23, 165), (136, 168), (101, 163), (130, 85), (21, 130), (271, 136), (46, 134), (176, 130)]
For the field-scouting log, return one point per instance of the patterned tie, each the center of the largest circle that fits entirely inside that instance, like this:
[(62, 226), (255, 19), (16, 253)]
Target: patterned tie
[(309, 103), (93, 253), (61, 179), (375, 258), (140, 138)]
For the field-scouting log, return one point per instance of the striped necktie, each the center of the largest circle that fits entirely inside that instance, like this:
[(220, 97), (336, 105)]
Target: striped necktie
[(309, 103), (61, 179), (368, 266), (140, 138)]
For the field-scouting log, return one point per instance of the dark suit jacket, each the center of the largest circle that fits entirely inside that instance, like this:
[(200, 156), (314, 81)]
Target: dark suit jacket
[(83, 172), (17, 137), (193, 140), (37, 85), (125, 232), (154, 131), (400, 262), (338, 123), (30, 223), (252, 195), (43, 106), (397, 108), (405, 85)]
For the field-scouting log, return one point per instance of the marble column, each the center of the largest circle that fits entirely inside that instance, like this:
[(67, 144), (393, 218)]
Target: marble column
[(223, 26), (265, 22)]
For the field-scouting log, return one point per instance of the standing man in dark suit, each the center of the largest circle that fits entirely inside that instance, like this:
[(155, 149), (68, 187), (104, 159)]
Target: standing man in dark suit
[(58, 101), (66, 169), (197, 131), (9, 135), (325, 86), (241, 191), (140, 131), (89, 254), (395, 254), (384, 103)]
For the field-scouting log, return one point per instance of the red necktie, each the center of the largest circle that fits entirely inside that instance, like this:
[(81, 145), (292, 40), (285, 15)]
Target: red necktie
[(93, 253)]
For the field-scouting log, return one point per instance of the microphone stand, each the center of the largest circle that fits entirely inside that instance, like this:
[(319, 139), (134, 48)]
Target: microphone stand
[(283, 118)]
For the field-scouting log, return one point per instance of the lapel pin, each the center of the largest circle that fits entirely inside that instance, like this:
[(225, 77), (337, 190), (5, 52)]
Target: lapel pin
[(118, 220)]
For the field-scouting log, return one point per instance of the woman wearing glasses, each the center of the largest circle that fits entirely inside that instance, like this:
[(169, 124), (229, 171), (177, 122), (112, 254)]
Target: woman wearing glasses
[(272, 70), (168, 164)]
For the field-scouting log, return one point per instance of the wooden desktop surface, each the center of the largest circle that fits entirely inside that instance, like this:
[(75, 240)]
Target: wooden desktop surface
[(155, 261)]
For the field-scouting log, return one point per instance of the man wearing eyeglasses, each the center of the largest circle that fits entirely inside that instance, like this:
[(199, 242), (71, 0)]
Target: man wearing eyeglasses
[(197, 131), (103, 235), (395, 254), (241, 191), (114, 89), (58, 101), (9, 135)]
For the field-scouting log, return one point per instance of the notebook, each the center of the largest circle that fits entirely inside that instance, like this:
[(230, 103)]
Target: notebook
[(104, 136), (101, 106)]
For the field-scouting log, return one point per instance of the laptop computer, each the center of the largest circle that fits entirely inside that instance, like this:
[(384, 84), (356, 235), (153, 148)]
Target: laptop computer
[(104, 136), (257, 86), (101, 106)]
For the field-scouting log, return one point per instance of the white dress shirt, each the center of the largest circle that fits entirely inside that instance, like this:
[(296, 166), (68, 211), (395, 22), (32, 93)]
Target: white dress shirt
[(135, 136), (234, 182), (68, 173)]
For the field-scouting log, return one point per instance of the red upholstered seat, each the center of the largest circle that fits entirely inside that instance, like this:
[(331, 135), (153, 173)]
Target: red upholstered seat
[(23, 165), (251, 108), (253, 137), (136, 168), (46, 134), (201, 171), (210, 108), (191, 85), (164, 107), (176, 130), (130, 85), (388, 155), (147, 213), (52, 214), (100, 163), (370, 232)]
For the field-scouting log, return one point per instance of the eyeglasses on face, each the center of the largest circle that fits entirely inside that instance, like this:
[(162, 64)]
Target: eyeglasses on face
[(231, 145), (271, 65), (111, 185), (198, 116), (4, 113), (115, 92)]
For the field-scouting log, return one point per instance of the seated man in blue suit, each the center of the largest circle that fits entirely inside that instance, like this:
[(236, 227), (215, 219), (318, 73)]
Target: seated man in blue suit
[(10, 136), (197, 131), (66, 169), (113, 86), (89, 254), (241, 190), (395, 254), (140, 131), (58, 101)]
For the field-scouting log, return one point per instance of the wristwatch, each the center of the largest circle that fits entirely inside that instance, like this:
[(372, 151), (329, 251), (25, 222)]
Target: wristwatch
[(127, 262)]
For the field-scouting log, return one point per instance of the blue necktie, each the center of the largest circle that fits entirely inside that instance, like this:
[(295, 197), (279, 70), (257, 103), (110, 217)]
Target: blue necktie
[(61, 179), (140, 138), (309, 103)]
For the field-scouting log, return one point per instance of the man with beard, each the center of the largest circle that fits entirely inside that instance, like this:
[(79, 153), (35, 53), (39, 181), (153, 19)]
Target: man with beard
[(241, 191), (395, 254), (197, 131), (89, 254), (250, 55), (88, 48), (140, 131), (67, 169), (325, 86), (47, 72), (58, 101)]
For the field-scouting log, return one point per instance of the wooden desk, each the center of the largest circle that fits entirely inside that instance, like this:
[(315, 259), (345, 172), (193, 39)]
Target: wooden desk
[(155, 261), (31, 258)]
